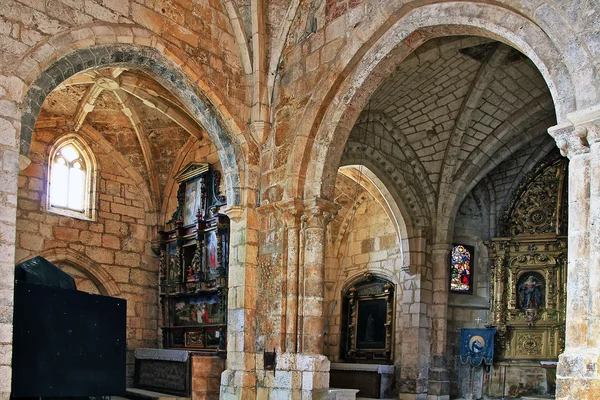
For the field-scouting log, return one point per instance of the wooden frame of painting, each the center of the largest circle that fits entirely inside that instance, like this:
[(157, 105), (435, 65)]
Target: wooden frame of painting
[(191, 203)]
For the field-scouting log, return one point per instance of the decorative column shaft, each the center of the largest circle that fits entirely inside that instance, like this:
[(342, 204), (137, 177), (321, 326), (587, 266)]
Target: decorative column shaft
[(317, 215), (573, 145), (593, 333), (578, 370), (292, 213)]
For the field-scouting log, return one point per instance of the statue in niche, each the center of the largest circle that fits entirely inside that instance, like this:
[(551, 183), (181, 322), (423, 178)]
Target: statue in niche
[(370, 328), (530, 293)]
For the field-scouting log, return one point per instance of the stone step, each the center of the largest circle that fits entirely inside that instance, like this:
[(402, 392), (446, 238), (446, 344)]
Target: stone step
[(142, 394), (342, 394)]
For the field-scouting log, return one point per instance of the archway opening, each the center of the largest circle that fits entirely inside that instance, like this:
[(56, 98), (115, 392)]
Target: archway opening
[(141, 135), (437, 128)]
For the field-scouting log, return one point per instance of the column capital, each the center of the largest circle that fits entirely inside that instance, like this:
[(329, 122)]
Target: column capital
[(570, 140), (318, 212), (582, 130), (440, 247), (234, 213), (291, 210)]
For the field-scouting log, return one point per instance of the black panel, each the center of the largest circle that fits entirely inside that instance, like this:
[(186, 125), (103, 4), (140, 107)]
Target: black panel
[(41, 271), (67, 343)]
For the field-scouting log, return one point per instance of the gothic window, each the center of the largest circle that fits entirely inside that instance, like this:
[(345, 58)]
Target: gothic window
[(461, 269), (70, 183)]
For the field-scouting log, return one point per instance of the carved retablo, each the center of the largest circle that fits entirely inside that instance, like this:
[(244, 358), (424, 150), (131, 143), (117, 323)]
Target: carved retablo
[(528, 282)]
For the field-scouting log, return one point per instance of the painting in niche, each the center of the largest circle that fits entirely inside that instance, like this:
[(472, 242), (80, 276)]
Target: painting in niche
[(193, 191), (530, 291), (371, 324), (212, 262), (461, 269), (201, 310), (174, 274)]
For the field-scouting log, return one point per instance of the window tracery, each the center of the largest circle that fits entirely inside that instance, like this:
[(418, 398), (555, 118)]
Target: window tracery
[(71, 179)]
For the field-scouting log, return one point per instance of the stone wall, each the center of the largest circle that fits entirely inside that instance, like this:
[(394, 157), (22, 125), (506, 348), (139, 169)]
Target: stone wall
[(282, 134), (110, 252), (369, 244)]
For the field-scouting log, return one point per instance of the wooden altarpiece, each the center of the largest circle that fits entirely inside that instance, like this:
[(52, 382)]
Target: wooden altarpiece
[(368, 321), (193, 252), (528, 275)]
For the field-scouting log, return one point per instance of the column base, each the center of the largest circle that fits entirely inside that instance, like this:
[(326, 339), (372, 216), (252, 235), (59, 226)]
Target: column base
[(238, 385), (439, 380), (297, 376), (577, 374)]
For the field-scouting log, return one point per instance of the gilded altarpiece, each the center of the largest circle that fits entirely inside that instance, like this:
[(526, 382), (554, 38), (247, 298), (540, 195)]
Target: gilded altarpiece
[(528, 274), (193, 252)]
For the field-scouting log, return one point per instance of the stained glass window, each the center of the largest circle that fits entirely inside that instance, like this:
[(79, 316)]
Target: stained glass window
[(461, 269), (70, 180)]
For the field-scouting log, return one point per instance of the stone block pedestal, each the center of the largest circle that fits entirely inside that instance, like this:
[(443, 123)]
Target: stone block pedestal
[(577, 375), (206, 377)]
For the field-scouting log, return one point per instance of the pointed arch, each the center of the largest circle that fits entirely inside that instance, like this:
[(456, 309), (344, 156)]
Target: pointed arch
[(72, 176), (102, 279), (166, 68)]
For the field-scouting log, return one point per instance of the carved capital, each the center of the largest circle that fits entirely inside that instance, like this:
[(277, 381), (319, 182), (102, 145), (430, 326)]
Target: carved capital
[(234, 213), (569, 140), (260, 130), (319, 212), (23, 162), (291, 211), (582, 130)]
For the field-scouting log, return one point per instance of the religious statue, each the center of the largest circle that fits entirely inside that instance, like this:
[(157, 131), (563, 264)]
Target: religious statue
[(370, 328), (530, 294), (190, 274)]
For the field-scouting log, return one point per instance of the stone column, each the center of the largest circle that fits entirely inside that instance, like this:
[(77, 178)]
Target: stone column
[(310, 360), (317, 215), (11, 164), (577, 373), (238, 381), (417, 333), (439, 380), (292, 213)]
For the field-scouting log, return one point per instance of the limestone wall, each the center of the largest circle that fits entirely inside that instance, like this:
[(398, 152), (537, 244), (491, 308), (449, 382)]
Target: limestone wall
[(368, 244), (110, 255)]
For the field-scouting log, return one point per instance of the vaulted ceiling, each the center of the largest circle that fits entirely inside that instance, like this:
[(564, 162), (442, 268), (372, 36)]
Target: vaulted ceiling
[(134, 113), (457, 110)]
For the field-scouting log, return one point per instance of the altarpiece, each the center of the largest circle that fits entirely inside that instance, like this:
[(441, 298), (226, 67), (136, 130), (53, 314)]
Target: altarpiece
[(528, 275), (193, 253)]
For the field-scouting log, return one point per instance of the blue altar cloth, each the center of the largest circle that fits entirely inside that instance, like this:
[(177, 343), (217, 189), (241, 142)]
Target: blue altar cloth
[(477, 345)]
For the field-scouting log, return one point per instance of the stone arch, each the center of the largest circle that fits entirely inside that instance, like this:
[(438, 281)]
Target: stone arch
[(411, 156), (102, 279), (153, 57), (412, 212), (340, 103), (410, 231)]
